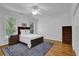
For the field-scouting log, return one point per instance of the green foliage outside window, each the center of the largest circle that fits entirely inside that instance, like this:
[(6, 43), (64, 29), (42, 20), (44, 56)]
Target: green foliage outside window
[(10, 26), (31, 28)]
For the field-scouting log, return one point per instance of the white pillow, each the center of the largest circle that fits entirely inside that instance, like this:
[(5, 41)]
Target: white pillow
[(25, 31), (22, 31)]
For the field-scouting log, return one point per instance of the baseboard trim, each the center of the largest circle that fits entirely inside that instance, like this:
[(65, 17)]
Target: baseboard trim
[(53, 39), (3, 45)]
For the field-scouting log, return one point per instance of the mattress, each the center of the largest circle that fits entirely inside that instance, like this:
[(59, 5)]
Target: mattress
[(26, 38)]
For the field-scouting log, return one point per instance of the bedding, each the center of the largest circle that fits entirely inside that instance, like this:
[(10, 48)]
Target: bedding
[(26, 38), (25, 31)]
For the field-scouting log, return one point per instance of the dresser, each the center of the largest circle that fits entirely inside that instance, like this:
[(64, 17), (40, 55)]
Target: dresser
[(13, 39)]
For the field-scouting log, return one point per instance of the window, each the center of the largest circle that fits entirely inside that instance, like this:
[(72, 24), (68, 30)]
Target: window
[(31, 27), (10, 24)]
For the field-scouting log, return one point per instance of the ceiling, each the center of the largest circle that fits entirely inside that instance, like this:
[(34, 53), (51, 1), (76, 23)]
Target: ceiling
[(45, 8)]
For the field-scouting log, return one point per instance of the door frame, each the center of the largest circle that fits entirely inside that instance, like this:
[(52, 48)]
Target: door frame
[(63, 34)]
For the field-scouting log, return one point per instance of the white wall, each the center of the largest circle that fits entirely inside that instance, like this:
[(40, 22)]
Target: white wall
[(20, 18), (1, 30), (75, 29), (51, 26)]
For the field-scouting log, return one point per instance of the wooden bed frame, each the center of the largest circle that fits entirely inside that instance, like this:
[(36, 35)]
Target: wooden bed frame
[(34, 42)]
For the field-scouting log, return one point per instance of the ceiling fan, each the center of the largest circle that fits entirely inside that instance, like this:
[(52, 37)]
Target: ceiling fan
[(35, 8)]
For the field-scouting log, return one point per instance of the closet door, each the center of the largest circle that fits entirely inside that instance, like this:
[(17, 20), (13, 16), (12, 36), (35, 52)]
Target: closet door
[(67, 34)]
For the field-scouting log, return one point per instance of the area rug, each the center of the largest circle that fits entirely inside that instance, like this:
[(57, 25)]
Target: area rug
[(23, 50)]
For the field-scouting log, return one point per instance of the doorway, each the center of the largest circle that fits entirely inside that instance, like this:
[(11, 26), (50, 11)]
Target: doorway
[(67, 34)]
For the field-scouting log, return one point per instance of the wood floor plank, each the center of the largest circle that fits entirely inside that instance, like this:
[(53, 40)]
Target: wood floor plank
[(61, 49)]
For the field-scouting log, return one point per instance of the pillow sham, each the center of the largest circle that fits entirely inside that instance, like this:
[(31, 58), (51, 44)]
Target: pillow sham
[(25, 31)]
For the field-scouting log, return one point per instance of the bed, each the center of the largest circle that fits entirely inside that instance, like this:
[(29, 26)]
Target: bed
[(27, 38)]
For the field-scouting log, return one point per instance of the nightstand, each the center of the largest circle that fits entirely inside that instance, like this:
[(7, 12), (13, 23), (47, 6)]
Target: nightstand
[(13, 39)]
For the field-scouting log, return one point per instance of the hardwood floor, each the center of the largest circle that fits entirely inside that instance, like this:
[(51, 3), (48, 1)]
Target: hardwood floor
[(58, 49), (1, 53)]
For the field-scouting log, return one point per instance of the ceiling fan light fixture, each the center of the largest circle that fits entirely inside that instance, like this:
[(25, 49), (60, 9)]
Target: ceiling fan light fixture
[(35, 12), (35, 9)]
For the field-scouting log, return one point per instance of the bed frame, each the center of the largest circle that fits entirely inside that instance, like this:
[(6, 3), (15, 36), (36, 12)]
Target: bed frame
[(34, 42)]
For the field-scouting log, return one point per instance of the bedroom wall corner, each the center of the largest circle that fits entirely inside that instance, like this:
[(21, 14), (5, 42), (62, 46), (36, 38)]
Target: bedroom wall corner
[(75, 28), (51, 26)]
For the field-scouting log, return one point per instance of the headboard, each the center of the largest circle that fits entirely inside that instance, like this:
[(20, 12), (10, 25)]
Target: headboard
[(19, 28)]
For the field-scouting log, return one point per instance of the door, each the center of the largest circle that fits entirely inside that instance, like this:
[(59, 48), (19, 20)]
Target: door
[(67, 34)]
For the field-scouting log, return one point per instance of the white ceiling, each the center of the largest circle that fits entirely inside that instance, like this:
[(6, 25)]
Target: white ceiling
[(45, 8)]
